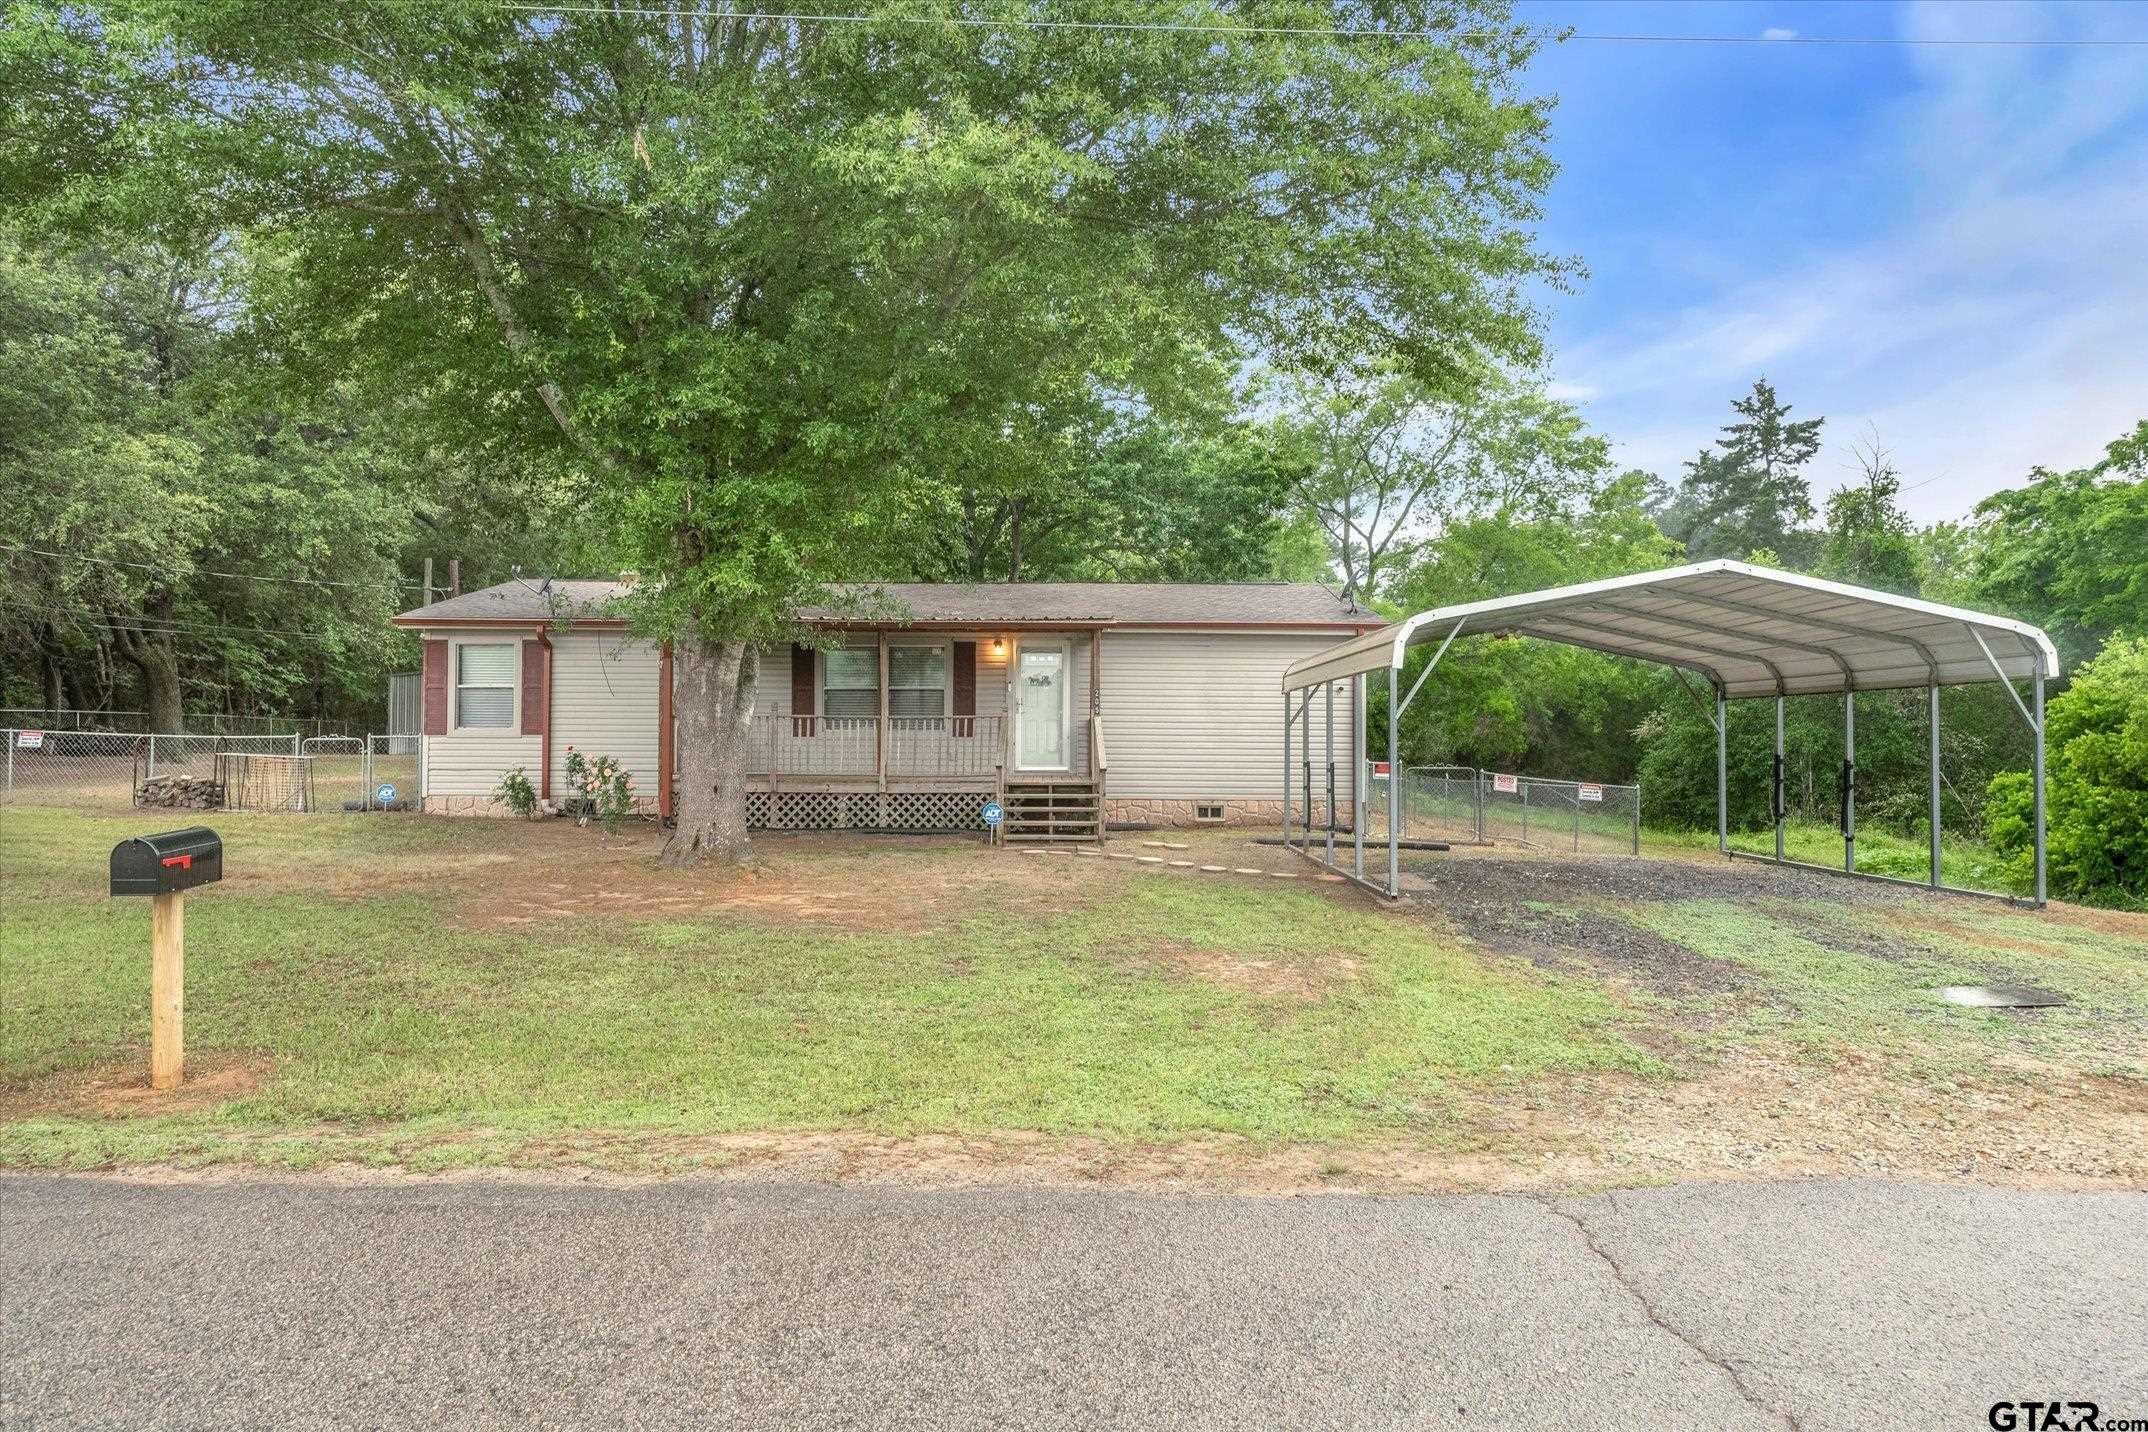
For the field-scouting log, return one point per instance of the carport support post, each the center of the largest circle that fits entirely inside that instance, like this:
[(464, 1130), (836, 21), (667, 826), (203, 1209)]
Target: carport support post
[(1305, 719), (1329, 689), (1286, 769), (1934, 796), (1722, 774), (1849, 780), (1357, 773), (2039, 774), (1775, 796), (1394, 802)]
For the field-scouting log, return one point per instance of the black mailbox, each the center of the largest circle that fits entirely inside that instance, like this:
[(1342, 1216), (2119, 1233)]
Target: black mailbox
[(167, 863)]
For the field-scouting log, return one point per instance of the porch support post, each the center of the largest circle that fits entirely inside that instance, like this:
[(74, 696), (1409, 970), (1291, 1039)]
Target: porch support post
[(880, 727), (2039, 775), (1357, 773), (1096, 691), (1782, 778), (1329, 689), (1849, 780), (1722, 774), (1394, 801), (1934, 794)]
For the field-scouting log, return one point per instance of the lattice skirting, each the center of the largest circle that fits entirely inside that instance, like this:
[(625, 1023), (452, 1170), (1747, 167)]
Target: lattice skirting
[(866, 810)]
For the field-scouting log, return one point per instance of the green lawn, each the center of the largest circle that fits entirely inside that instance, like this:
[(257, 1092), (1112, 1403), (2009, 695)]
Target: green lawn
[(389, 988)]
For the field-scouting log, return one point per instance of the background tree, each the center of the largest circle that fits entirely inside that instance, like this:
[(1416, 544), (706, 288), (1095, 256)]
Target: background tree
[(1389, 460), (762, 276), (1748, 493), (1869, 539)]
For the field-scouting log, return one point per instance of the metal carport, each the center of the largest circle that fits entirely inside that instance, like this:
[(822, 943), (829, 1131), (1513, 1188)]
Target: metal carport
[(1748, 631)]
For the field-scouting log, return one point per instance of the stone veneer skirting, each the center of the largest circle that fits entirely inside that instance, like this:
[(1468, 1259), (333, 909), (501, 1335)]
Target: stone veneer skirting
[(1144, 810), (485, 807)]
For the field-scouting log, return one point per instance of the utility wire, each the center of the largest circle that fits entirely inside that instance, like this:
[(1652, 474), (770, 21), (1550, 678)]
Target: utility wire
[(139, 625), (1337, 33), (203, 572)]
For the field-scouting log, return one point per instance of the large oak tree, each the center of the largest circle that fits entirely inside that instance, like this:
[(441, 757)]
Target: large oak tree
[(767, 278)]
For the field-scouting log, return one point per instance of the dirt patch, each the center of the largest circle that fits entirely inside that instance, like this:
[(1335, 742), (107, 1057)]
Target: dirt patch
[(1555, 916), (122, 1091), (1305, 977)]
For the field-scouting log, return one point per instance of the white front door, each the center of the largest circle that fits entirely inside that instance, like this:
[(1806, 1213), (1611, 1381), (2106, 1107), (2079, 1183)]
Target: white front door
[(1040, 707)]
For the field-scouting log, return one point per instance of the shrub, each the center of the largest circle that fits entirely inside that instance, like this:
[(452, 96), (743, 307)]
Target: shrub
[(516, 793), (604, 784), (2096, 771)]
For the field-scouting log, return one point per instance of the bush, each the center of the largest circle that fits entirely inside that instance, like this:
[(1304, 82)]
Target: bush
[(604, 784), (516, 793), (2096, 770)]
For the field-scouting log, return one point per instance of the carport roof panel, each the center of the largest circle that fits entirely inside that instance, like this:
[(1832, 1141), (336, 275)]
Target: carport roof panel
[(1752, 631)]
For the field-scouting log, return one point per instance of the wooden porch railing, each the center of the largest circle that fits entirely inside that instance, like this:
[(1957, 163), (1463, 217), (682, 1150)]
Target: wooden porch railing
[(954, 747)]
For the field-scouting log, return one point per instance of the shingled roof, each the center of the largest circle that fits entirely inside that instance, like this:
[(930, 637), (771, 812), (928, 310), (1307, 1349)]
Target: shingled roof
[(1207, 604)]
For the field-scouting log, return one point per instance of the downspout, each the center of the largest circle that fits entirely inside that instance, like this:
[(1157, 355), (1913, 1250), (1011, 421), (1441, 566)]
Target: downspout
[(544, 742)]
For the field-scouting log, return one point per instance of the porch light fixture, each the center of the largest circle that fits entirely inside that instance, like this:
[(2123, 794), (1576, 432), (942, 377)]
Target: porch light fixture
[(999, 646)]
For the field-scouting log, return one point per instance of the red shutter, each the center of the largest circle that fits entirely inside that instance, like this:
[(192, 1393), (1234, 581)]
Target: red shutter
[(802, 711), (534, 683), (964, 694), (435, 688)]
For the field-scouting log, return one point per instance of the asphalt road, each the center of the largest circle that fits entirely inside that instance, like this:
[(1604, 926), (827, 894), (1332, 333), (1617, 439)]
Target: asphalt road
[(726, 1304)]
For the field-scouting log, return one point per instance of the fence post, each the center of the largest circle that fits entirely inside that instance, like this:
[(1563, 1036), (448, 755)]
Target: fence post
[(1637, 819), (10, 735), (1524, 811), (1577, 819)]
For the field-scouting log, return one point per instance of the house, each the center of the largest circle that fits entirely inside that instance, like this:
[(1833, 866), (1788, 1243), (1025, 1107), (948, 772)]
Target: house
[(1069, 702)]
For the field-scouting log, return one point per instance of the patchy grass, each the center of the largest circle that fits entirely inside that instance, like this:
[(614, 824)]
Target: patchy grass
[(443, 994), (1134, 1006)]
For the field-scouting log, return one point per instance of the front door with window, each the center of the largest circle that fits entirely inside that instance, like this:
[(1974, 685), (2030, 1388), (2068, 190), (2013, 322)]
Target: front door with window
[(1040, 696)]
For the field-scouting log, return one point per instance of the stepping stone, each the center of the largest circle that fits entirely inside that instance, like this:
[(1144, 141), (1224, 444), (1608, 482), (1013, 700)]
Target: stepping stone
[(1283, 874), (1162, 845), (1035, 851), (1325, 876), (1181, 864), (1248, 870), (1085, 850), (1217, 869), (1149, 859)]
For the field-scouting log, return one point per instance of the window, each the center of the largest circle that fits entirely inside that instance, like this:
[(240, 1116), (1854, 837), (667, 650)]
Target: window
[(917, 681), (852, 684), (1208, 812), (485, 686)]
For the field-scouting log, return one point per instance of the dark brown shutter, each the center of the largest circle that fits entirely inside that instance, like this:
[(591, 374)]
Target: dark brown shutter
[(435, 688), (802, 712), (964, 692), (534, 654)]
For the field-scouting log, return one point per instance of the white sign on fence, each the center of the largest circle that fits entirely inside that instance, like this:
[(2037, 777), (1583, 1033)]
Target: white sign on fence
[(1591, 793), (1379, 770), (30, 740), (1506, 785)]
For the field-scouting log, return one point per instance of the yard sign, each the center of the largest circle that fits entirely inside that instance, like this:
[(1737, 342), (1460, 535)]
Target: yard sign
[(1506, 785)]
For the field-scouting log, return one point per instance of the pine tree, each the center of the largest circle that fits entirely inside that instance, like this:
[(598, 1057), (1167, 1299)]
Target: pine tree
[(1749, 492)]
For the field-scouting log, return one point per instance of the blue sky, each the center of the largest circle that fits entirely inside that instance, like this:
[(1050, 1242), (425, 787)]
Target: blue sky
[(1947, 245)]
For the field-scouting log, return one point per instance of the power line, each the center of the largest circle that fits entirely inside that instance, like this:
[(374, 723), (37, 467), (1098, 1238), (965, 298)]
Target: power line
[(203, 572), (1337, 33), (138, 625)]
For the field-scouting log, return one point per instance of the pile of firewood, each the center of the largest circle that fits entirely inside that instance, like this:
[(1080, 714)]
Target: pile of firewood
[(184, 792)]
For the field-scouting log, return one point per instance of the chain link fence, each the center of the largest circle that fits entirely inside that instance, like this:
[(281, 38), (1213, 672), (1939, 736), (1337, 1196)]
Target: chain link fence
[(119, 769), (135, 723), (1460, 804)]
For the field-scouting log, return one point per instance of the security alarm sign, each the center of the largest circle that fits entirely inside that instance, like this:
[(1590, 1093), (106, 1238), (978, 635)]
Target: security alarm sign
[(1592, 793), (1506, 785)]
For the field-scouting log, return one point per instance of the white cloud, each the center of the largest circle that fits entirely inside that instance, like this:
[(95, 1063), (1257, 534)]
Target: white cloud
[(1997, 326), (1777, 32)]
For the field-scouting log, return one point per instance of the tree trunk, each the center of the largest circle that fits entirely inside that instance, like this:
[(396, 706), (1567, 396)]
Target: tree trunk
[(712, 703), (152, 655), (1014, 542)]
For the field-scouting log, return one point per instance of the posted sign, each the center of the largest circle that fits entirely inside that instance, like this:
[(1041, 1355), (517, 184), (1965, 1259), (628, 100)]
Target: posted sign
[(1592, 793), (30, 740), (1379, 770), (1506, 785)]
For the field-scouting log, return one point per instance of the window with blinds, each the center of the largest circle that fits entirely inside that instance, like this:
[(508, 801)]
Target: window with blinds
[(485, 685), (851, 684), (917, 681)]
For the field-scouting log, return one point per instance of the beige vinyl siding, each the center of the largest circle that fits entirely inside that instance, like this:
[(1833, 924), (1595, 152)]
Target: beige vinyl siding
[(772, 685), (1199, 715), (1077, 706), (604, 703), (471, 762)]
